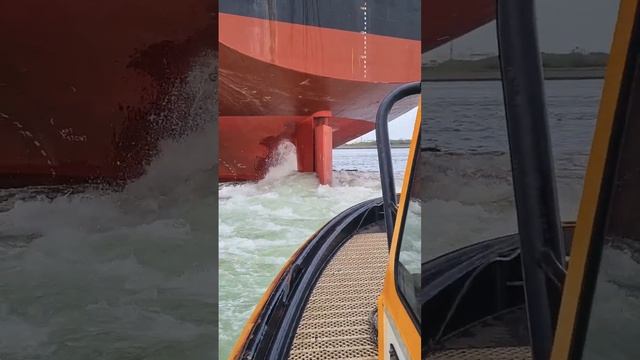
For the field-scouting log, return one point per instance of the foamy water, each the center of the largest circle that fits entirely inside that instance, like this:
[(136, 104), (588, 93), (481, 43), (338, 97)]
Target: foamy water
[(470, 199), (97, 274), (613, 330), (262, 223)]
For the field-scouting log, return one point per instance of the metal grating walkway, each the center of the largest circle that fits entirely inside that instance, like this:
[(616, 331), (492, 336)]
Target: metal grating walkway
[(489, 353), (336, 321)]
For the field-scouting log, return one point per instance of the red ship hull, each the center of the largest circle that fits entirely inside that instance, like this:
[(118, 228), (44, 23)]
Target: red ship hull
[(278, 68), (275, 75), (443, 21), (87, 89)]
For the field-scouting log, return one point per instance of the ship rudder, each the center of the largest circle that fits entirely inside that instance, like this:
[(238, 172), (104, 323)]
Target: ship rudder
[(314, 146), (323, 151)]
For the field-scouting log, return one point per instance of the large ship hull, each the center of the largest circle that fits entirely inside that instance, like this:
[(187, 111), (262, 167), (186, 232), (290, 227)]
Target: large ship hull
[(283, 62), (88, 89), (443, 21)]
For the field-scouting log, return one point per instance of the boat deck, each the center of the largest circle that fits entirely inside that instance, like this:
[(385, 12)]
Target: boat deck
[(488, 353), (503, 336), (337, 321)]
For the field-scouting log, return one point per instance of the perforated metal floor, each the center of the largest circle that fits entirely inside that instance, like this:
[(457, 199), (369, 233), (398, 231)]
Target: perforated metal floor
[(335, 324), (495, 353)]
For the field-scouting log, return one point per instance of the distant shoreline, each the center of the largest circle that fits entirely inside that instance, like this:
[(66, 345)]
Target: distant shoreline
[(433, 75), (367, 146), (556, 66)]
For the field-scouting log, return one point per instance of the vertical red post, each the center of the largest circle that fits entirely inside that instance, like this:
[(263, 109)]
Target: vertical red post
[(305, 145), (323, 153)]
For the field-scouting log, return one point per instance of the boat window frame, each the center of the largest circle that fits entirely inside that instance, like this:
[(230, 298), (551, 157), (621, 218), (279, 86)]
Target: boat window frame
[(405, 207), (588, 243)]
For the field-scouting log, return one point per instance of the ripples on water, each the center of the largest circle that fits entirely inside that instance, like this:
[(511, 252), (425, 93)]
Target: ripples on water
[(613, 330), (263, 223), (470, 195), (97, 274), (470, 199), (469, 189)]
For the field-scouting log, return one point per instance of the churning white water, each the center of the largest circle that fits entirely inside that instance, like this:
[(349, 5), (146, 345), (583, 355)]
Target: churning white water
[(262, 223), (99, 274)]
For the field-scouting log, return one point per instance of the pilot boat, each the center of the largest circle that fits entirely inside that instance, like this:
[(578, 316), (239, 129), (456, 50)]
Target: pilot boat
[(353, 289)]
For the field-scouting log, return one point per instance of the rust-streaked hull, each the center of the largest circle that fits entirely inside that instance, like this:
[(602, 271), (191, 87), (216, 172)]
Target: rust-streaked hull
[(282, 62), (274, 75), (87, 89)]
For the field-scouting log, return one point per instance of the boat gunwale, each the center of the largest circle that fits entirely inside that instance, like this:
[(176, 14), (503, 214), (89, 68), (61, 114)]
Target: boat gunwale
[(288, 295)]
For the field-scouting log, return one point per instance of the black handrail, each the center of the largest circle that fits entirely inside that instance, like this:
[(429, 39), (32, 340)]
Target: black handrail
[(384, 152), (532, 167)]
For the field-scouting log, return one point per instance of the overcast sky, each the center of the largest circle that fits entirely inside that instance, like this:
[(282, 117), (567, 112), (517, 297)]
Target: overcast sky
[(562, 26), (399, 128)]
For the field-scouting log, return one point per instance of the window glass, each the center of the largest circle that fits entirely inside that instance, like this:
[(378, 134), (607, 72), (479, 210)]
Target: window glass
[(614, 323), (408, 271)]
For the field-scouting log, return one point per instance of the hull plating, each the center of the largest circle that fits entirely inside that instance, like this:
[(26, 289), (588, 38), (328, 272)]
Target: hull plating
[(88, 89)]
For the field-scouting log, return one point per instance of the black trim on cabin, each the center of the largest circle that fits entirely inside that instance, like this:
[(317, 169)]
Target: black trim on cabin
[(387, 180), (395, 18), (384, 152), (472, 285), (630, 76), (532, 168)]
